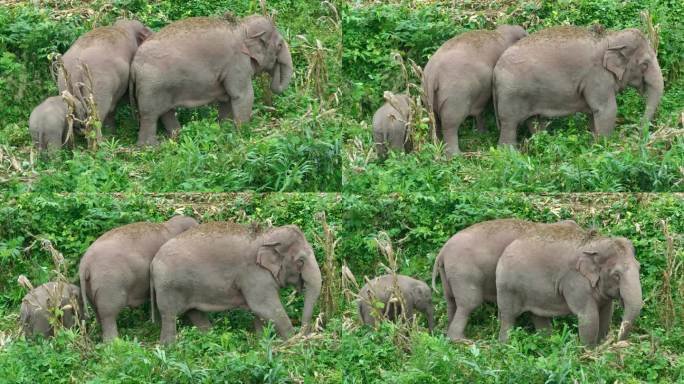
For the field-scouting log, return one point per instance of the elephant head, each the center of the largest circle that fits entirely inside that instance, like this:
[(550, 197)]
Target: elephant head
[(268, 51), (511, 33), (287, 254), (136, 29), (611, 268), (180, 223), (632, 60)]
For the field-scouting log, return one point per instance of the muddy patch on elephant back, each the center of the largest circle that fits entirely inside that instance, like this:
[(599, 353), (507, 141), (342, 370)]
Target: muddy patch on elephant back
[(499, 225), (223, 228), (194, 25), (561, 33), (102, 34), (562, 232), (134, 231), (474, 38)]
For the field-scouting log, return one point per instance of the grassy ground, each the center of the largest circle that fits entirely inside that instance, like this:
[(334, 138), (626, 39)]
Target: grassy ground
[(343, 351), (563, 159), (294, 146)]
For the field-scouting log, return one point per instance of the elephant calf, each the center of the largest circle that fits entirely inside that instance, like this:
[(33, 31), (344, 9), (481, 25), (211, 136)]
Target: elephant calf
[(416, 294), (389, 124), (48, 123), (457, 80), (222, 265), (561, 271), (467, 263), (37, 306), (115, 269), (562, 70)]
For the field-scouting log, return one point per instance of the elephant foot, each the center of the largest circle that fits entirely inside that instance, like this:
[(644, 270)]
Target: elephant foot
[(150, 141)]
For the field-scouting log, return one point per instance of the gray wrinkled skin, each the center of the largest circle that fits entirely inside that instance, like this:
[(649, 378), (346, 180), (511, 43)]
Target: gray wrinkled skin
[(563, 70), (222, 265), (457, 80), (115, 269), (555, 273), (416, 293), (466, 264), (200, 60), (48, 125), (389, 125), (108, 52), (35, 308)]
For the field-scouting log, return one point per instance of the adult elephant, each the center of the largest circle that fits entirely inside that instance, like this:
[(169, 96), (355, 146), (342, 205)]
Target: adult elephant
[(222, 265), (467, 262), (570, 271), (200, 60), (107, 51), (115, 269), (457, 81), (562, 70)]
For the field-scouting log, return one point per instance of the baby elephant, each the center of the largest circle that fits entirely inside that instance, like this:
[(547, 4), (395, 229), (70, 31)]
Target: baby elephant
[(416, 293), (115, 270), (389, 124), (48, 125), (457, 80), (35, 308)]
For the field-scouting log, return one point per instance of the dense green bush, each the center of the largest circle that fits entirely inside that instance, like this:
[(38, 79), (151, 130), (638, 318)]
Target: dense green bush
[(294, 146), (564, 159), (418, 225)]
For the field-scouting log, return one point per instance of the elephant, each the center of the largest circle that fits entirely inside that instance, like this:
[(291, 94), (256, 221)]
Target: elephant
[(37, 306), (562, 271), (466, 264), (48, 123), (389, 124), (457, 80), (201, 60), (108, 52), (416, 294), (222, 265), (115, 269), (563, 70)]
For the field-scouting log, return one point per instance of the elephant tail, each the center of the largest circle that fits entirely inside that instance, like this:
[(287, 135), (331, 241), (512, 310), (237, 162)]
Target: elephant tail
[(496, 106), (435, 270), (151, 294), (132, 99), (84, 277)]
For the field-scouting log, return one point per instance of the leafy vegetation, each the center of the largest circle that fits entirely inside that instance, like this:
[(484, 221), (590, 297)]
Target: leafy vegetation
[(292, 146), (565, 158), (344, 351)]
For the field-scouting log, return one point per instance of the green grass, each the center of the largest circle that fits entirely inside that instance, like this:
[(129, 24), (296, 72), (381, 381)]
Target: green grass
[(564, 159), (344, 351), (294, 147)]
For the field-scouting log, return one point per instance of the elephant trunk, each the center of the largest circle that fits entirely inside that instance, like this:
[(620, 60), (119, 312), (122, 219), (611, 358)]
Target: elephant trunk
[(311, 275), (282, 71), (654, 89), (630, 292)]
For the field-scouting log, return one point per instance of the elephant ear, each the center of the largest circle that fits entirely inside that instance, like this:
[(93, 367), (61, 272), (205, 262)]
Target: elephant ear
[(616, 59), (587, 266), (270, 258), (256, 44)]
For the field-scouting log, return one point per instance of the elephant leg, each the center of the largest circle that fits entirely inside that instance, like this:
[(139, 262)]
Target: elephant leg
[(110, 122), (605, 318), (590, 125), (265, 303), (241, 96), (452, 117), (258, 325), (430, 316), (509, 131), (107, 312), (604, 109), (168, 328), (542, 324), (510, 308), (224, 111), (479, 123), (451, 307), (586, 309), (199, 319), (171, 123), (467, 296), (148, 130)]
